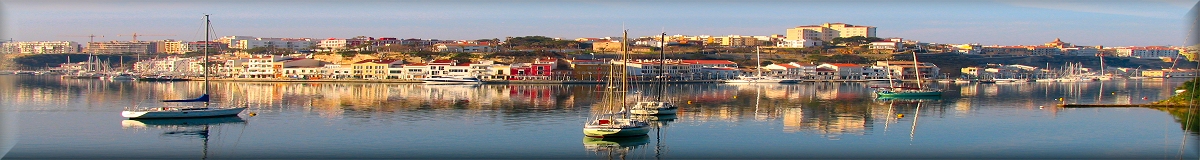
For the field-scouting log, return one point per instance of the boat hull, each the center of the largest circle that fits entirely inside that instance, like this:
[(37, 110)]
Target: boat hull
[(654, 111), (453, 82), (176, 113), (615, 132), (908, 94)]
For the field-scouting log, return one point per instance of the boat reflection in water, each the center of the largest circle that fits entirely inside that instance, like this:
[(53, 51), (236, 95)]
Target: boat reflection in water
[(186, 128), (618, 147)]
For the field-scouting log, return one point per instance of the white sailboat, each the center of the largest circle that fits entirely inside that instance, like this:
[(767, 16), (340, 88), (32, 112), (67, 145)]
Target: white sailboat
[(187, 111), (758, 77), (464, 80), (658, 106), (612, 119)]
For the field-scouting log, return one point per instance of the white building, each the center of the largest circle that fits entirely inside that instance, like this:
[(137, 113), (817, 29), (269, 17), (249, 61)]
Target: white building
[(886, 45), (295, 44), (844, 71), (1150, 52), (41, 47), (798, 43)]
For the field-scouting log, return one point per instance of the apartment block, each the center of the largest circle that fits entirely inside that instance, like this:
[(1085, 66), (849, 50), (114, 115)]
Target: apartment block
[(121, 47), (828, 31), (40, 47)]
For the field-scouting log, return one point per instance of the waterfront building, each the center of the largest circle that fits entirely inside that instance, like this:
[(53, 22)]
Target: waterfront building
[(651, 68), (1148, 52), (169, 65), (263, 67), (414, 71), (589, 69), (844, 71), (338, 71), (374, 68), (719, 73), (301, 68), (828, 31), (875, 72), (40, 47), (530, 71), (784, 70), (233, 68), (120, 47), (907, 70), (1170, 73)]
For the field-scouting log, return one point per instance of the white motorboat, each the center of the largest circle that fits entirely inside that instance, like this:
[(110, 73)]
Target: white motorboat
[(186, 111), (452, 80)]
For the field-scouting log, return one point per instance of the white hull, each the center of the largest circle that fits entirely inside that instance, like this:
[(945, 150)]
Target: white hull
[(452, 83), (615, 132), (167, 112), (452, 80), (653, 108)]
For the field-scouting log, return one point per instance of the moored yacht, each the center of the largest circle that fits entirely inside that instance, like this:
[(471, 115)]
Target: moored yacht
[(452, 80)]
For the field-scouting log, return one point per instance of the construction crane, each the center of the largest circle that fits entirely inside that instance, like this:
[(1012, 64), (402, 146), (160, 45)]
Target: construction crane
[(91, 37), (135, 35)]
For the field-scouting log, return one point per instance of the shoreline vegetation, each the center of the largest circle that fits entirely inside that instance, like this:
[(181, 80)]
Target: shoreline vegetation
[(1185, 94)]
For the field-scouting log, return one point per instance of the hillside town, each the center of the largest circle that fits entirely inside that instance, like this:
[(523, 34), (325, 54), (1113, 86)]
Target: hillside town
[(557, 59)]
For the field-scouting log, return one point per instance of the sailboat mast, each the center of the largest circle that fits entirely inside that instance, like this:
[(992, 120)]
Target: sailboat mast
[(917, 68), (624, 69), (662, 65), (758, 56), (207, 44)]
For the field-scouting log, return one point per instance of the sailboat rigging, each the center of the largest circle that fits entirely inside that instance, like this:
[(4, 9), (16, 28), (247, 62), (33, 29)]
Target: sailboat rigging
[(613, 120), (758, 76), (188, 111), (658, 106), (920, 90)]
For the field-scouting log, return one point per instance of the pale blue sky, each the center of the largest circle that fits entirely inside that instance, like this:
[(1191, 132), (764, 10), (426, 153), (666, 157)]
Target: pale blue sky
[(1027, 22)]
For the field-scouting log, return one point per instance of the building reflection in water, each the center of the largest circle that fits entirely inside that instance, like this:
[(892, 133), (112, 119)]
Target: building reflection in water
[(828, 109)]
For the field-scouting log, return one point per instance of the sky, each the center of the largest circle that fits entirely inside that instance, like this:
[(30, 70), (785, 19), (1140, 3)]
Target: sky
[(987, 22)]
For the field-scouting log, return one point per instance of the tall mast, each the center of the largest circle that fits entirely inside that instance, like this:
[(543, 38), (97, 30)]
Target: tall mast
[(662, 65), (624, 69), (917, 68), (758, 56), (207, 27)]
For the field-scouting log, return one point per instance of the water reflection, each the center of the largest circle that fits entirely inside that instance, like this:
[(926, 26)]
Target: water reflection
[(197, 128), (787, 114)]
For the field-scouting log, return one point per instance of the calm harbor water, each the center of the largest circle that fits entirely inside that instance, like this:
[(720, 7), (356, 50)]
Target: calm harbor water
[(57, 119)]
